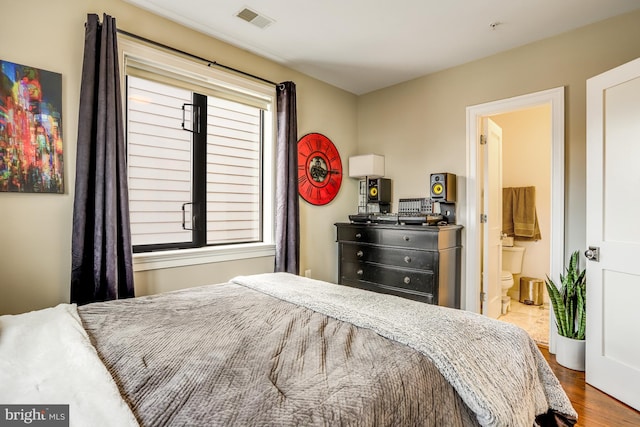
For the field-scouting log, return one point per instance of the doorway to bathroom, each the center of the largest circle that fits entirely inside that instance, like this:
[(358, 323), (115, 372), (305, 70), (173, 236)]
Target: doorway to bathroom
[(526, 170), (533, 155)]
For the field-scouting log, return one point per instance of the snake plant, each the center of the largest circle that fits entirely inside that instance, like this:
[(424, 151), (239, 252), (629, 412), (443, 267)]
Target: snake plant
[(569, 301)]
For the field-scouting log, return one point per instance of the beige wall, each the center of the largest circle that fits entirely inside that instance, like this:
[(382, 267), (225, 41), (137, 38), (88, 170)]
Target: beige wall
[(35, 249), (420, 125), (526, 161)]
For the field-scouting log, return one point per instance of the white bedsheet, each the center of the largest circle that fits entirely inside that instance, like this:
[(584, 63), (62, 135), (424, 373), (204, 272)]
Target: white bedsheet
[(46, 357)]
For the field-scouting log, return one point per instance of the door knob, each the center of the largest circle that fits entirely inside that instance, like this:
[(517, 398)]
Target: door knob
[(593, 253)]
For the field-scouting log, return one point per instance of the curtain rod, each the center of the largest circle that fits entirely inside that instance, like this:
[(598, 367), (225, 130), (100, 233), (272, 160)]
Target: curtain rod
[(208, 61)]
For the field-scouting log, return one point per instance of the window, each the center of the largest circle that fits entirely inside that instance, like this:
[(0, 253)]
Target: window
[(199, 154)]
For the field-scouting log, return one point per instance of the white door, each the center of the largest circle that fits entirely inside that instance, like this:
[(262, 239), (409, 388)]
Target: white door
[(613, 210), (492, 227)]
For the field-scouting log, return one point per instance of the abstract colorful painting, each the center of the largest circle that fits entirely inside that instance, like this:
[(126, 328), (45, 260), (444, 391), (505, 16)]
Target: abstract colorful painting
[(31, 158)]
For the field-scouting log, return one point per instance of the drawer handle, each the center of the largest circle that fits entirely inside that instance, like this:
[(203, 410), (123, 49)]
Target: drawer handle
[(359, 254), (358, 235), (407, 259), (407, 280), (406, 238), (359, 272)]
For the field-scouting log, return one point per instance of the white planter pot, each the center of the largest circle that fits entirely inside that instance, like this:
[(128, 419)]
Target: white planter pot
[(570, 353)]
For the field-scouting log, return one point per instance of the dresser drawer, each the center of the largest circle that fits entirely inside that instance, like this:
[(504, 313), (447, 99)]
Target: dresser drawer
[(409, 239), (400, 257), (380, 288), (421, 238), (358, 234), (410, 280)]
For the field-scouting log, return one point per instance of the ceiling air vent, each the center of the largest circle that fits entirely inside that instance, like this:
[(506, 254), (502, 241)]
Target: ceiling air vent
[(255, 18)]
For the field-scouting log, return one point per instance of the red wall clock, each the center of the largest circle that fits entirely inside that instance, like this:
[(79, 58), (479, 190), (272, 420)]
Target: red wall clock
[(319, 169)]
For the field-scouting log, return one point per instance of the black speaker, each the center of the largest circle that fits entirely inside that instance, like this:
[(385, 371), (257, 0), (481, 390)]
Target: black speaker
[(379, 190), (443, 187)]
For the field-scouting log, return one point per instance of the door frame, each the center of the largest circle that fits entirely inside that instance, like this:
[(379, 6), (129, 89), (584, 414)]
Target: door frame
[(555, 98)]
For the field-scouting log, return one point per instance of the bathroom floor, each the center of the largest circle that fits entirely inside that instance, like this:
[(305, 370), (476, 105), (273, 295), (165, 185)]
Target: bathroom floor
[(532, 318)]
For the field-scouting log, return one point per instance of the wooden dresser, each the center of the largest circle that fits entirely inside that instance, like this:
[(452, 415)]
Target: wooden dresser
[(412, 261)]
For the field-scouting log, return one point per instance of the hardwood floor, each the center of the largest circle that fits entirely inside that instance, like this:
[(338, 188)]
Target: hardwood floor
[(594, 407)]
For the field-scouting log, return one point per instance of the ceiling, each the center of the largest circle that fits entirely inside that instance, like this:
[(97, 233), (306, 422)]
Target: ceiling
[(364, 45)]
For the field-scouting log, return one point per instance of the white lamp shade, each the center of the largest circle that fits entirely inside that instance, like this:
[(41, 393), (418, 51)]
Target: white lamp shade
[(366, 165)]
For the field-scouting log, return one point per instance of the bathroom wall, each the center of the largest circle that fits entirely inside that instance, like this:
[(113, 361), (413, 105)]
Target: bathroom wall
[(526, 161)]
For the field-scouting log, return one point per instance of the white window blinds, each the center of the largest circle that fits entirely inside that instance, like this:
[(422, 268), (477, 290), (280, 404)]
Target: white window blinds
[(233, 172), (160, 162), (162, 168)]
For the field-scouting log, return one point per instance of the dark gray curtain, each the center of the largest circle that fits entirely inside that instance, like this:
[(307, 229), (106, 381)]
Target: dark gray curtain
[(102, 267), (287, 210)]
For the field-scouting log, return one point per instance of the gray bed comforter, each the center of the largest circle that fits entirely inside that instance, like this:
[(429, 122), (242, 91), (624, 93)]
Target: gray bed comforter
[(232, 355)]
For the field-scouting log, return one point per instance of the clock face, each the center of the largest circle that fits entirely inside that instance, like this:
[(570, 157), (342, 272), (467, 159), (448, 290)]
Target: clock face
[(319, 169)]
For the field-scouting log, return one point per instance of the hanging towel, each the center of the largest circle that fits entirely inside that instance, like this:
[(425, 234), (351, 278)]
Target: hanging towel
[(520, 218), (507, 211)]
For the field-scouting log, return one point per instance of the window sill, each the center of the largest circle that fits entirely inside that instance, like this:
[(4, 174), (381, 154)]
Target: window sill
[(185, 257)]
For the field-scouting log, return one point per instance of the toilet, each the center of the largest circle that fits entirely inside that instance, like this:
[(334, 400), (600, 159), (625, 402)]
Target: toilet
[(512, 257)]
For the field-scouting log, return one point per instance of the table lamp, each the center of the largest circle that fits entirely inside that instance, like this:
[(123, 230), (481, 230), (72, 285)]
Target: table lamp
[(366, 166)]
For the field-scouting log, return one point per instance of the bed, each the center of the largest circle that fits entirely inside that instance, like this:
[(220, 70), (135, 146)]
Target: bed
[(277, 349)]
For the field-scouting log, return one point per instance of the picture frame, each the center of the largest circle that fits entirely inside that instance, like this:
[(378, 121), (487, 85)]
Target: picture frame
[(31, 142)]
